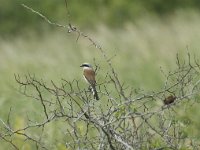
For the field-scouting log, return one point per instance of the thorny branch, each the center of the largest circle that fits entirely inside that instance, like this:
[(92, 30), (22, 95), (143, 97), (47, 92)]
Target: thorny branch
[(117, 121), (122, 124)]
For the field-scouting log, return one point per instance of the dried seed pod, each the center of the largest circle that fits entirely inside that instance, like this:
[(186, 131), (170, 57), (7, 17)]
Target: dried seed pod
[(170, 99)]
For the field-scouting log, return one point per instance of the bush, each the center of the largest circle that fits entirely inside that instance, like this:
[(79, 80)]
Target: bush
[(123, 118)]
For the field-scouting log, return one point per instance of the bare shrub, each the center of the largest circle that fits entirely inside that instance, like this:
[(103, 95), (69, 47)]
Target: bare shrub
[(123, 118)]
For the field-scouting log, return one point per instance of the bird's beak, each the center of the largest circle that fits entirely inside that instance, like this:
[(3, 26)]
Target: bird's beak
[(81, 65)]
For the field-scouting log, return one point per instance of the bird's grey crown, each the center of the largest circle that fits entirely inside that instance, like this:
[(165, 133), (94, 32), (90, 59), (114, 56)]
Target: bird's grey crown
[(86, 65)]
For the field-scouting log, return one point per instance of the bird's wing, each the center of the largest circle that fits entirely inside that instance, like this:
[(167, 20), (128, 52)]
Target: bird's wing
[(89, 75)]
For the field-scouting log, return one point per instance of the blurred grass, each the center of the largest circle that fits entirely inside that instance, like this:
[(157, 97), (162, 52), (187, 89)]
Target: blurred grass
[(140, 49), (113, 13)]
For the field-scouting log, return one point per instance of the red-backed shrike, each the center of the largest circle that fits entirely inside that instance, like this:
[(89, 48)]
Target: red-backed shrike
[(89, 76)]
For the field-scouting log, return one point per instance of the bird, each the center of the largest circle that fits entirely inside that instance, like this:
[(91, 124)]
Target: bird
[(89, 75)]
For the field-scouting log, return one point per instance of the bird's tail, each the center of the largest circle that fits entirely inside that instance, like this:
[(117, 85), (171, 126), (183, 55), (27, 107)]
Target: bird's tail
[(94, 91)]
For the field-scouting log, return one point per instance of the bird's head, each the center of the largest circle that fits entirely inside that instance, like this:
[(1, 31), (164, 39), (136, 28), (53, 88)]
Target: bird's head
[(86, 65)]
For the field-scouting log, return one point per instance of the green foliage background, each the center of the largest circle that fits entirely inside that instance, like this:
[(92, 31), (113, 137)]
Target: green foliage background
[(86, 13)]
